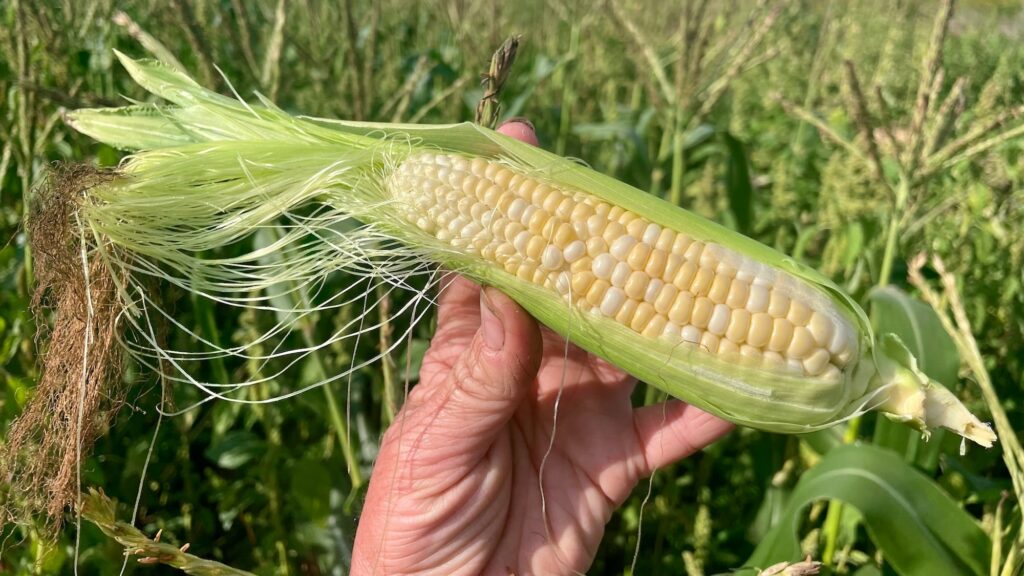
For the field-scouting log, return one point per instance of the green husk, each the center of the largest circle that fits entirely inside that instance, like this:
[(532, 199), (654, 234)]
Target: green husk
[(209, 170)]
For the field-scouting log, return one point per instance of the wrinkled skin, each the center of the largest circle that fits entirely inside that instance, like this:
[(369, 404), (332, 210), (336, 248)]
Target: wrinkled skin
[(456, 488)]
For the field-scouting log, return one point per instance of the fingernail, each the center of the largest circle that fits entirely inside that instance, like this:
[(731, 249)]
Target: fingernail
[(520, 120), (490, 322), (521, 129)]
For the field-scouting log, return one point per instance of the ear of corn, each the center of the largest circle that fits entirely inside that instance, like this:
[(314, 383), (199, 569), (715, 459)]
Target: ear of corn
[(686, 305)]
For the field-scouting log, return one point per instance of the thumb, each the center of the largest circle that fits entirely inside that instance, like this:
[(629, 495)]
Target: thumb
[(491, 377)]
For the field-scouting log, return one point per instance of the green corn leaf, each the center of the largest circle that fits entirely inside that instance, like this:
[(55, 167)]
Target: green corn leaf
[(920, 330), (917, 526)]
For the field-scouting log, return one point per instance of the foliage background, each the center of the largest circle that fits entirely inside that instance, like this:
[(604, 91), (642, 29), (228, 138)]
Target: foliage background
[(264, 488)]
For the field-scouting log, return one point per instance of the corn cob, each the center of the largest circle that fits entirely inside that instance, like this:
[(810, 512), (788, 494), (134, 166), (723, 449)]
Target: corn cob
[(609, 261), (688, 306)]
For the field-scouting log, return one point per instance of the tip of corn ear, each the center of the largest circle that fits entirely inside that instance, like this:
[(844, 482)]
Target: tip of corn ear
[(981, 434), (931, 406), (942, 409), (921, 402), (927, 406)]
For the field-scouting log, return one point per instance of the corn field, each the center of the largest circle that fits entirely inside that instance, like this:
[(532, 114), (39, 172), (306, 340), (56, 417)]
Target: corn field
[(879, 143)]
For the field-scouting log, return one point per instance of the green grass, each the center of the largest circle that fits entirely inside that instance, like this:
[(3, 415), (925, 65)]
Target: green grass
[(773, 138)]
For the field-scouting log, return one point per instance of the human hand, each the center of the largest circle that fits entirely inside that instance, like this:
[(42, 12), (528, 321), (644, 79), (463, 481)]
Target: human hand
[(457, 484)]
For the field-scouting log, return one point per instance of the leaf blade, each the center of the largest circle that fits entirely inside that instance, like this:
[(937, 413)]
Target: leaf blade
[(919, 528)]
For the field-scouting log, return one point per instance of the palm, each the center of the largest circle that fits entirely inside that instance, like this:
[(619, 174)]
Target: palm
[(593, 464)]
